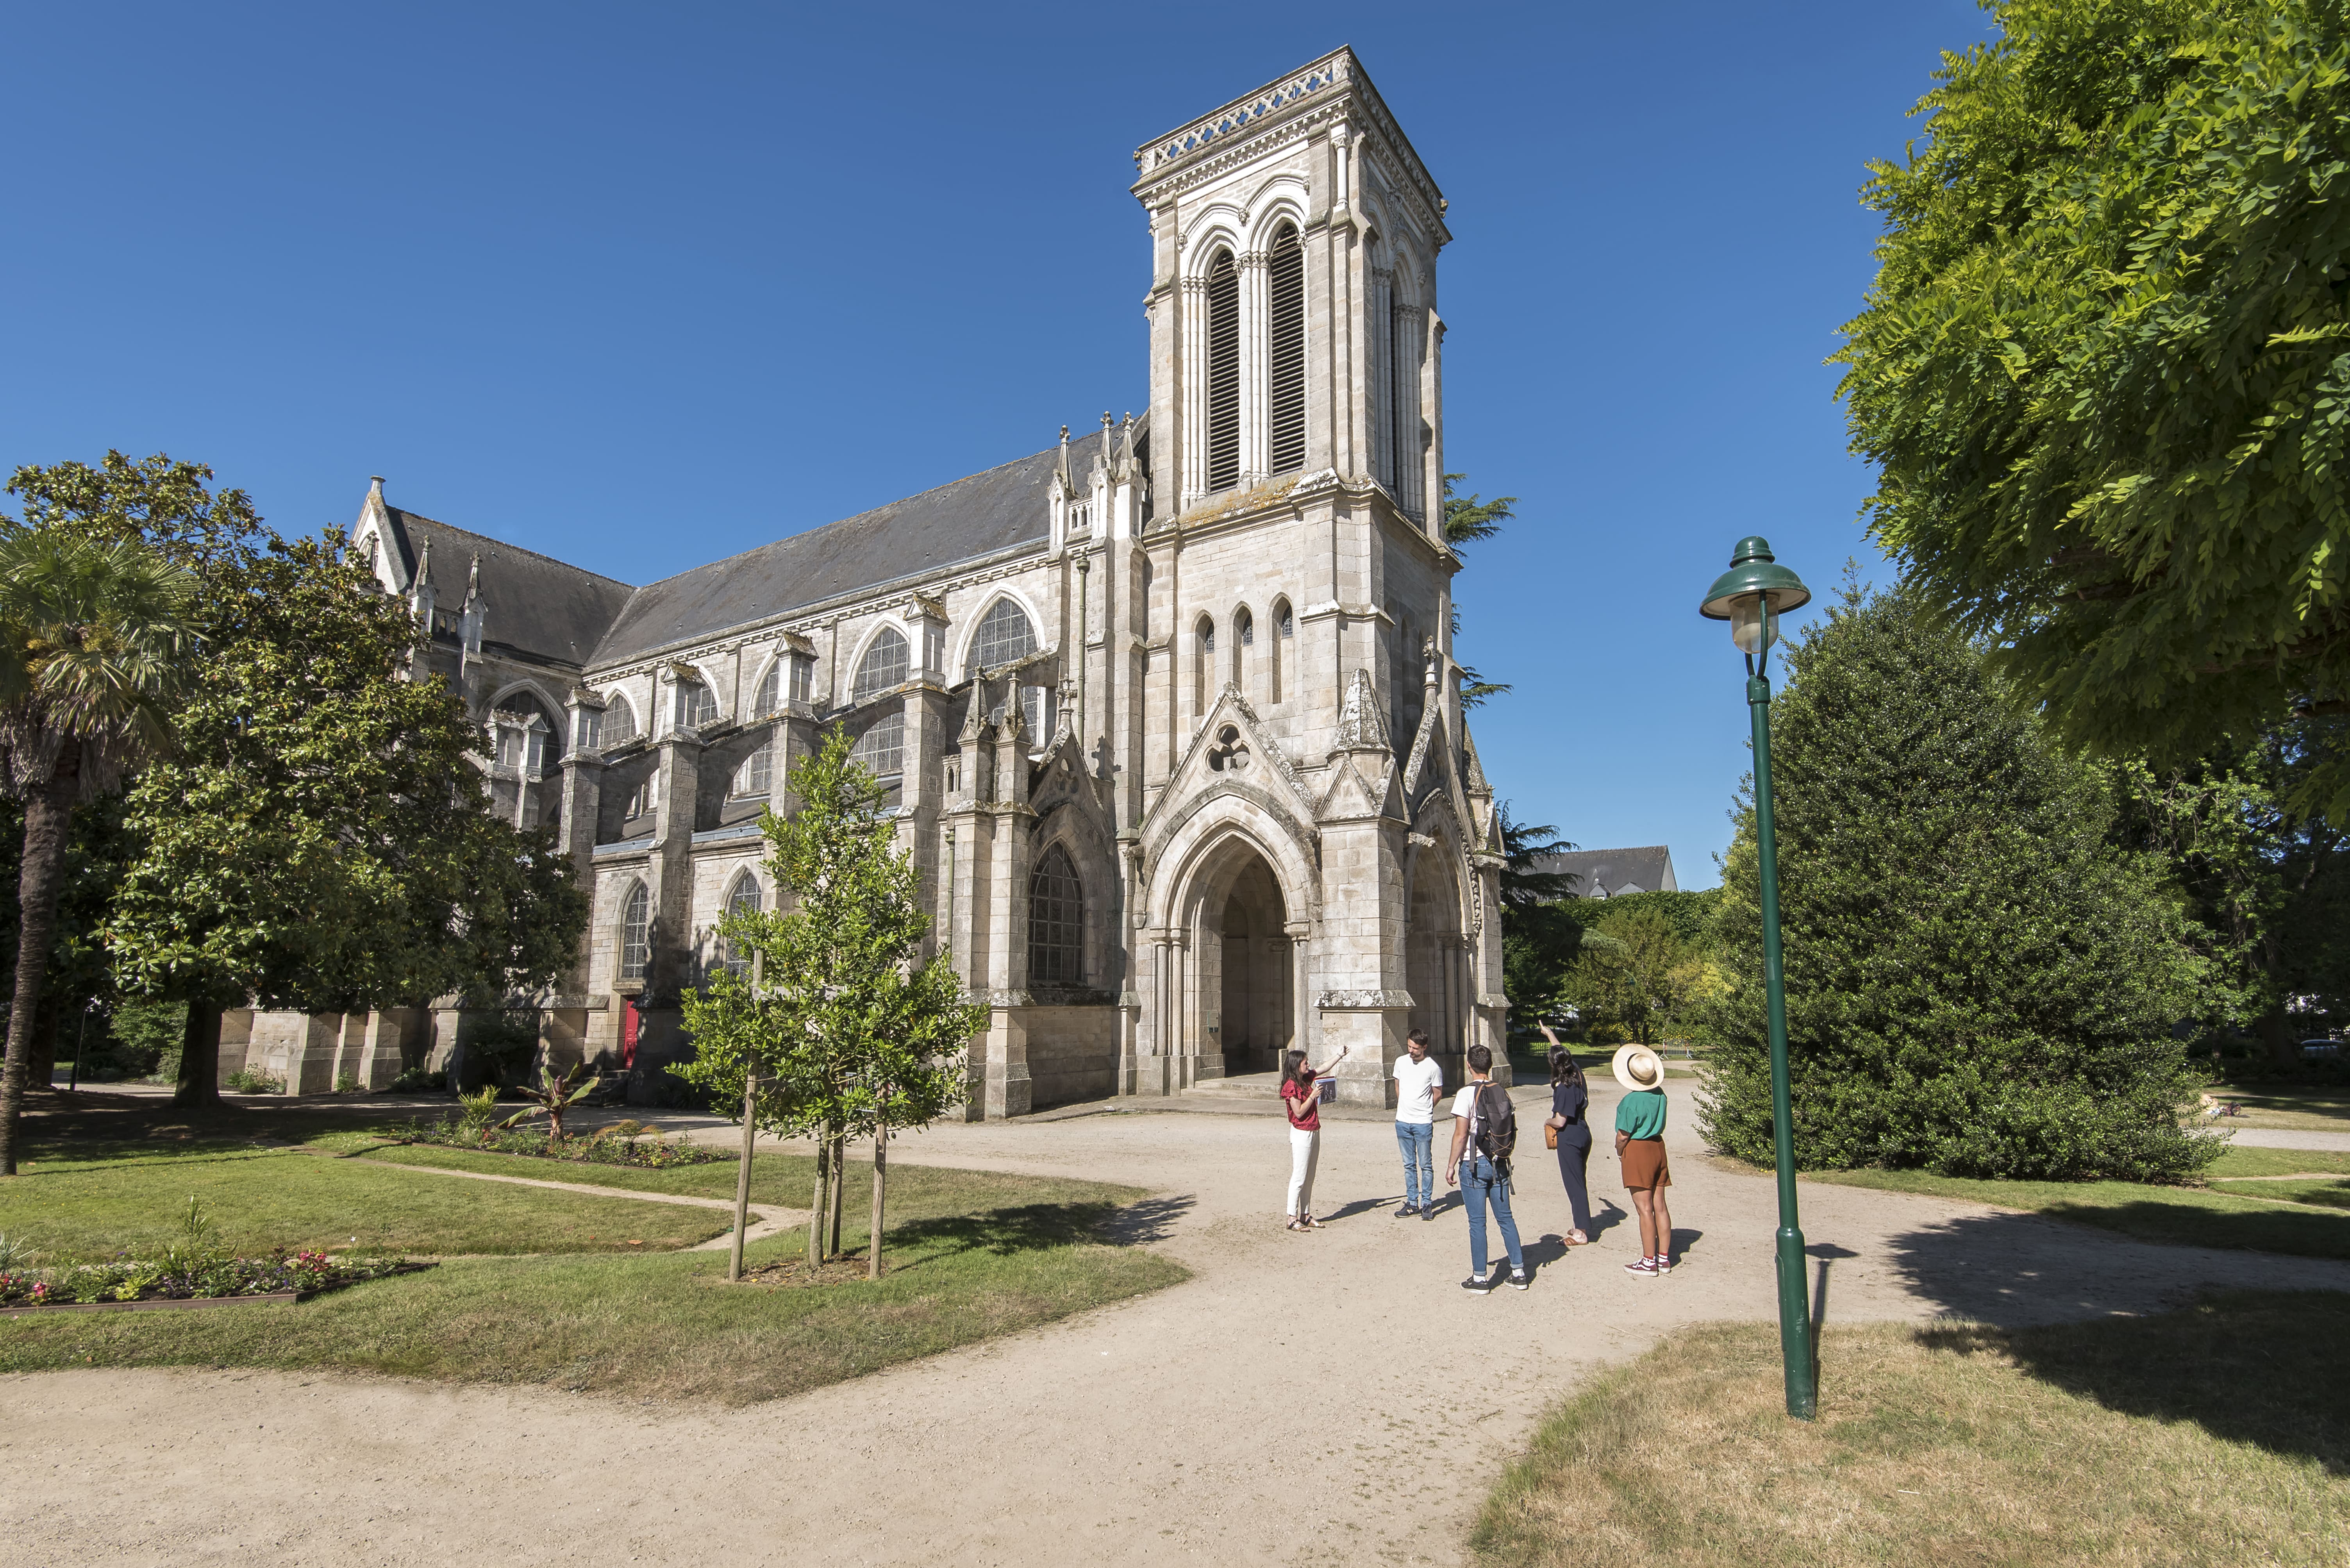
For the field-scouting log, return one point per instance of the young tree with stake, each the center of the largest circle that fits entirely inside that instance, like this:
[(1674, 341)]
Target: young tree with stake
[(847, 1033)]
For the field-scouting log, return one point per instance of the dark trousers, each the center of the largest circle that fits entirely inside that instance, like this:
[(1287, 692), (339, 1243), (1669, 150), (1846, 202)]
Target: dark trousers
[(1574, 1163)]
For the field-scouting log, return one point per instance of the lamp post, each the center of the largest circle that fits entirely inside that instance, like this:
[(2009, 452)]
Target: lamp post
[(1751, 595)]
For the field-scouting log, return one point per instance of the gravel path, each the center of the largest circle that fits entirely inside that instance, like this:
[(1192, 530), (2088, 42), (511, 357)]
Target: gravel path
[(1340, 1380)]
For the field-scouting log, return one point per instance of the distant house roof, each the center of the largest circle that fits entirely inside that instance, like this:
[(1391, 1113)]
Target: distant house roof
[(1609, 873), (905, 541), (531, 603)]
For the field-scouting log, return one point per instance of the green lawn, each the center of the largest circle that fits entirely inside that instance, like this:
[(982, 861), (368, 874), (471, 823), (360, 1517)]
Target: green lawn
[(90, 1210), (968, 1255), (2194, 1216), (2216, 1434), (2294, 1107)]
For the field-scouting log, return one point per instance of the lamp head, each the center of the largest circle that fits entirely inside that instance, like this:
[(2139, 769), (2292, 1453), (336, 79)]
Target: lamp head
[(1754, 582)]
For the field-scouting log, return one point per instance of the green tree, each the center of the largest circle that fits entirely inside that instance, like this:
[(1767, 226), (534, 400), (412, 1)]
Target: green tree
[(2266, 887), (96, 640), (1467, 520), (2104, 368), (1643, 962), (1977, 982), (320, 839), (169, 506), (824, 1004), (1538, 932)]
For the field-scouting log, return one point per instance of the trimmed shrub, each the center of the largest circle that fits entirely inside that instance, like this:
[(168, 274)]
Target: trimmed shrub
[(1978, 983)]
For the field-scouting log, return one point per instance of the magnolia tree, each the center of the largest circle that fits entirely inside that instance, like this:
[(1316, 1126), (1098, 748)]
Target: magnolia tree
[(825, 1011)]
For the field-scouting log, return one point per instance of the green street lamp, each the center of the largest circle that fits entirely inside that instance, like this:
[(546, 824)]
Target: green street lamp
[(1752, 597)]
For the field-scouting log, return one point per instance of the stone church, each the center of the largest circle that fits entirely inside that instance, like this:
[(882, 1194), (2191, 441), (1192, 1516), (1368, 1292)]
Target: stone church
[(1167, 710)]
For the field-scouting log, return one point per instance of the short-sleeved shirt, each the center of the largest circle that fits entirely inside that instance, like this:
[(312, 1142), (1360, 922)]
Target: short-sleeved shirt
[(1293, 1094), (1417, 1086), (1570, 1100), (1641, 1114), (1465, 1109)]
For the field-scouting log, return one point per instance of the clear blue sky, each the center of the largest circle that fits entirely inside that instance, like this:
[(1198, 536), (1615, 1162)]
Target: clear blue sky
[(643, 286)]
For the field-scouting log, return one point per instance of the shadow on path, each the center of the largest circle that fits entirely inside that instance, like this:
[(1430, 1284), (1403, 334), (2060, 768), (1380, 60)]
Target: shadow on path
[(1151, 1219)]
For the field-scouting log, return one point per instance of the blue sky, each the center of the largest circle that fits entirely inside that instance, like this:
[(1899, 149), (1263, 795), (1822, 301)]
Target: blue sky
[(643, 286)]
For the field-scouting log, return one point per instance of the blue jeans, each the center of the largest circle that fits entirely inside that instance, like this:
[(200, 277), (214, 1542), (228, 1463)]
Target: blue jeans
[(1418, 1142), (1480, 1184)]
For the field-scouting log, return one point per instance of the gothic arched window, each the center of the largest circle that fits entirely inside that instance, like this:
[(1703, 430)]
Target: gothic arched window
[(1284, 343), (1003, 635), (1224, 372), (883, 666), (620, 726), (696, 704), (766, 701), (636, 932), (756, 774), (1243, 641), (743, 899), (1203, 665), (1285, 629), (882, 748), (1057, 923)]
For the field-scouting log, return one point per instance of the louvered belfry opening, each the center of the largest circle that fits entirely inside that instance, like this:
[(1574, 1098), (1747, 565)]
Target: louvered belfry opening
[(1285, 353), (1224, 372)]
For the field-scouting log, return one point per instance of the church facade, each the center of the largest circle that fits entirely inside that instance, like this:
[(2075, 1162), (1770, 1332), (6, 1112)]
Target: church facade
[(1167, 710)]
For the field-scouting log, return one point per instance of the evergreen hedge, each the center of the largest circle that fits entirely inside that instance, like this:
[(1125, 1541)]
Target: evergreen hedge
[(1978, 984)]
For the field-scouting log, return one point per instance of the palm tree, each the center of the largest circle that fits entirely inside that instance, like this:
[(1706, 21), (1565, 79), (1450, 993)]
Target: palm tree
[(96, 639)]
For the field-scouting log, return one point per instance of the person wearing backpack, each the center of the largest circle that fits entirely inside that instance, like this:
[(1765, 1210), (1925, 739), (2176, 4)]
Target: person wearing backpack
[(1484, 1135)]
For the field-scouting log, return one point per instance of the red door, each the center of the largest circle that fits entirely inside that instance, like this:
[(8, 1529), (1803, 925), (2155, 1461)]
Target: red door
[(628, 1033)]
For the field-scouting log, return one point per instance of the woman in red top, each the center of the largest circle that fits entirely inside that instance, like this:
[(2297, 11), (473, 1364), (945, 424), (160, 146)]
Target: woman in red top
[(1301, 1097)]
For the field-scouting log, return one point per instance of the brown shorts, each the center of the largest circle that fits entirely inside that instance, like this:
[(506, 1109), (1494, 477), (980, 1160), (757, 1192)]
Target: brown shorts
[(1644, 1164)]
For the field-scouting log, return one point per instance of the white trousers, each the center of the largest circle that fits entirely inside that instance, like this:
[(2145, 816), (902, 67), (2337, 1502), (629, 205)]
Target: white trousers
[(1305, 1148)]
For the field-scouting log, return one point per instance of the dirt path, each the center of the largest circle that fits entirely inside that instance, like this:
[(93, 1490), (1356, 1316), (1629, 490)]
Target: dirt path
[(1341, 1376)]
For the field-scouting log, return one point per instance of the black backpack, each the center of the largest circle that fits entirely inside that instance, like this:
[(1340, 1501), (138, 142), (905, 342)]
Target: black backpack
[(1496, 1125)]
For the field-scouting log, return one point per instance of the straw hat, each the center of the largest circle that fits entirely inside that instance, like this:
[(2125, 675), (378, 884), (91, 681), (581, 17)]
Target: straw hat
[(1638, 1067)]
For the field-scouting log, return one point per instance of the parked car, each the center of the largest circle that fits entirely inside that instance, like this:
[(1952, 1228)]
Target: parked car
[(2319, 1050)]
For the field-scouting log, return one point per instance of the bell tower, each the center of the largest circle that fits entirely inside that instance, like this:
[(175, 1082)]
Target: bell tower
[(1292, 301), (1308, 862)]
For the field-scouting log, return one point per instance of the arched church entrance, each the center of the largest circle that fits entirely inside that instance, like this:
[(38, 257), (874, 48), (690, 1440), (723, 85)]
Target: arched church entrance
[(1435, 958), (1241, 1001), (1254, 989)]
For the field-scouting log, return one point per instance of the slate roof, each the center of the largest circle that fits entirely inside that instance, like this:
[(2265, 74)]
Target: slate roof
[(531, 603), (1604, 872), (905, 541)]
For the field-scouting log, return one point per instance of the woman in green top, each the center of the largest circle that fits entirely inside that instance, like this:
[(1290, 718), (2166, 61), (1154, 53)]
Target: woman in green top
[(1640, 1145)]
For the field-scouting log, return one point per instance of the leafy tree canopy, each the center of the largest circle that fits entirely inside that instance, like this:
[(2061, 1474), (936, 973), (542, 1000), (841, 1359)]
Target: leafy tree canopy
[(2104, 368), (1468, 519), (1977, 982), (843, 1028), (319, 839)]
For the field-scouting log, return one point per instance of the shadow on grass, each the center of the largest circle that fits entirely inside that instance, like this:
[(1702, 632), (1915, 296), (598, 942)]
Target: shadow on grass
[(2272, 1369), (1003, 1233), (2017, 1270)]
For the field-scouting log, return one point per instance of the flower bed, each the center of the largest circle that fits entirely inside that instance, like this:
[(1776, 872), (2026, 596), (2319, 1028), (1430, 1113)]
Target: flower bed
[(653, 1153), (129, 1280)]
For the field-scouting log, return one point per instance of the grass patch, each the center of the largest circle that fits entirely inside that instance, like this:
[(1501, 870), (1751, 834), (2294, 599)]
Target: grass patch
[(2326, 1193), (970, 1255), (2278, 1162), (2191, 1216), (2299, 1107), (2219, 1434), (88, 1211)]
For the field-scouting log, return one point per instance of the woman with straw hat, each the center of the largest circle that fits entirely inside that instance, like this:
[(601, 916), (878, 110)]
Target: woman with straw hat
[(1640, 1145)]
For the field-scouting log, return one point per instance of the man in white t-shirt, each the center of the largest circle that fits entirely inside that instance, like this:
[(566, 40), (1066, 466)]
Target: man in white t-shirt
[(1419, 1081)]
